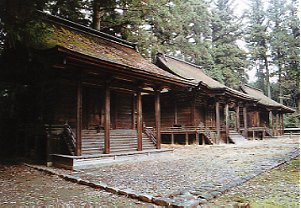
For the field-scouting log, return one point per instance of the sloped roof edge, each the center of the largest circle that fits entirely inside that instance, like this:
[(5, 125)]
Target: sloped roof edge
[(263, 99), (82, 28)]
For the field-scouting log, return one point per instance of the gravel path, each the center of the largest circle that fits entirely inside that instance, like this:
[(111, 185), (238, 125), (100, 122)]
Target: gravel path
[(191, 175), (199, 169)]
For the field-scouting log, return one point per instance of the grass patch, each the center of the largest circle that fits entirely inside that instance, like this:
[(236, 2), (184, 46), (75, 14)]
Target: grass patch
[(275, 189)]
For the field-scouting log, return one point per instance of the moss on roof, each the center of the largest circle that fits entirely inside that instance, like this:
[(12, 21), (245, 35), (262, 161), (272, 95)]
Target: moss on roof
[(92, 43)]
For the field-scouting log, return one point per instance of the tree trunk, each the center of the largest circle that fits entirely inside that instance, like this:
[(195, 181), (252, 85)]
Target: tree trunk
[(97, 14), (267, 76)]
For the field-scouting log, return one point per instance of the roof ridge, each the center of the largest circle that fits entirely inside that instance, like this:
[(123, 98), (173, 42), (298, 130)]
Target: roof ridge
[(252, 87), (88, 30), (186, 62)]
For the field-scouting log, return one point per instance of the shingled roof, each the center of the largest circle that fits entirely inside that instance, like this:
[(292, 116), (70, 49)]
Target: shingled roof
[(264, 100), (195, 74), (89, 42)]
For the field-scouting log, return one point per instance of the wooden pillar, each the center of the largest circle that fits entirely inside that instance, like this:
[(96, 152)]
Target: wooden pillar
[(107, 120), (158, 118), (227, 120), (197, 138), (237, 119), (218, 122), (245, 122), (139, 121), (272, 123), (79, 108), (282, 123), (172, 138), (186, 139), (175, 112), (133, 112), (277, 124), (193, 123)]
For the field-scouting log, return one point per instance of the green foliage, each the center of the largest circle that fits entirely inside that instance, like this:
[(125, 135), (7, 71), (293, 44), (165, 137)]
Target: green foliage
[(228, 57)]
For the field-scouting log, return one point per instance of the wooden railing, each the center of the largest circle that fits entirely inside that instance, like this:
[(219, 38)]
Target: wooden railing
[(149, 131), (69, 138), (208, 133)]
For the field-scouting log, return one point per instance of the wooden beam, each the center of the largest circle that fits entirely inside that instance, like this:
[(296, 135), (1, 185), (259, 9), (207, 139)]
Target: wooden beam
[(218, 121), (158, 118), (237, 118), (79, 108), (282, 123), (277, 124), (175, 112), (133, 112), (139, 121), (245, 121), (227, 120), (107, 120)]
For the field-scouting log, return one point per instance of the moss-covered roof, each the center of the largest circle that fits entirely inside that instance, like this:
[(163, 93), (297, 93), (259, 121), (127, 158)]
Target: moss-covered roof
[(92, 43)]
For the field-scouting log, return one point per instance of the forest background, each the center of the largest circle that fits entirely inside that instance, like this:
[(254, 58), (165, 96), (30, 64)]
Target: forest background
[(265, 38)]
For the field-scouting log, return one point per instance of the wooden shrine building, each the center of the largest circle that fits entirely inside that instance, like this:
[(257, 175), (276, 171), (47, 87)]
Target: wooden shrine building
[(267, 116), (87, 94), (211, 111), (89, 88)]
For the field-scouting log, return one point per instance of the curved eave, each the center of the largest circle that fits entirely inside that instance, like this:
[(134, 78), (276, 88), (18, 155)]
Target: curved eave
[(123, 68)]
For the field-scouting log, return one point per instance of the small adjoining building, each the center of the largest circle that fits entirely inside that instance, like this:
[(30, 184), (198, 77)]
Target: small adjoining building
[(212, 112), (266, 117)]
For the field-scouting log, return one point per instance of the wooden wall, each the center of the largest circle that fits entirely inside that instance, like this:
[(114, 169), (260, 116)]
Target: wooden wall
[(121, 110)]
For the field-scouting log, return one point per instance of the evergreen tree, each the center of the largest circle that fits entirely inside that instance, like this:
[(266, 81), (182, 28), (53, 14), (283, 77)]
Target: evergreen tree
[(229, 59), (69, 9), (285, 35), (257, 39)]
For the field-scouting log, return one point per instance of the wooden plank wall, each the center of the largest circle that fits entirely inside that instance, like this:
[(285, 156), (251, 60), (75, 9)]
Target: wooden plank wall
[(148, 110), (122, 104), (167, 112), (65, 109), (92, 107)]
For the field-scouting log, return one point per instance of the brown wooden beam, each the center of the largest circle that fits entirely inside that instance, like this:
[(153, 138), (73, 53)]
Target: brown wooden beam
[(237, 118), (139, 121), (227, 120), (107, 120), (79, 109), (133, 112), (158, 118), (245, 122), (218, 121), (281, 124), (175, 112)]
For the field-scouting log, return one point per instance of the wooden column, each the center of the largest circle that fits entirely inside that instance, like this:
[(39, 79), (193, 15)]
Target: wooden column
[(227, 120), (272, 123), (282, 123), (245, 122), (218, 122), (277, 124), (237, 119), (175, 112), (133, 112), (158, 118), (107, 120), (79, 108), (193, 123), (139, 121)]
